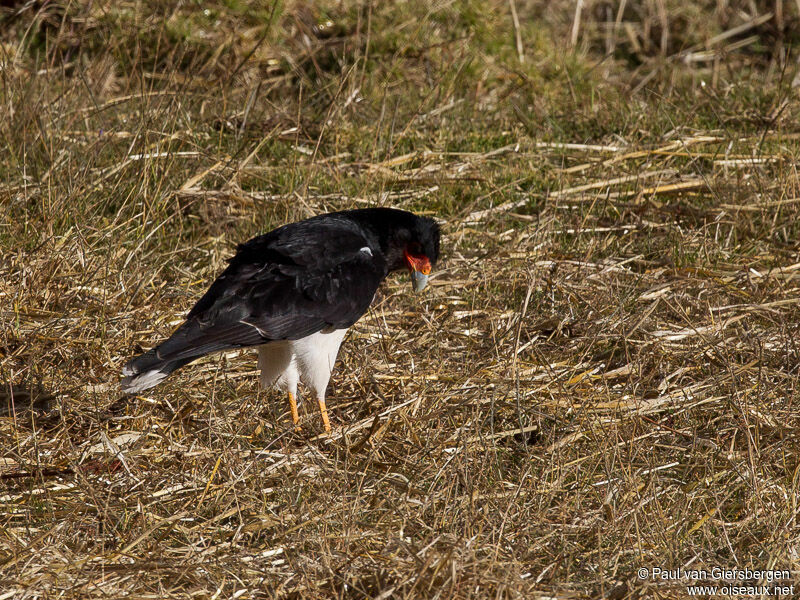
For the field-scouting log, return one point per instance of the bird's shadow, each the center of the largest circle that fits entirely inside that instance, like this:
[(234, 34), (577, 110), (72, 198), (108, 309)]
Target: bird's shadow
[(28, 404)]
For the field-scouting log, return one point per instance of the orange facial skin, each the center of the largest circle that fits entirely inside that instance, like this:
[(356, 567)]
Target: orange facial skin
[(418, 263)]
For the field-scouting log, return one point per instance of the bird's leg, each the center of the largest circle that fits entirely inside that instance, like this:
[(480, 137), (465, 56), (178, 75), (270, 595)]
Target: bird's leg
[(324, 412), (295, 414)]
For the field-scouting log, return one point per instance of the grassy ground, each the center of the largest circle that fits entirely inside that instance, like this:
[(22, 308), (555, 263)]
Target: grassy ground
[(602, 376)]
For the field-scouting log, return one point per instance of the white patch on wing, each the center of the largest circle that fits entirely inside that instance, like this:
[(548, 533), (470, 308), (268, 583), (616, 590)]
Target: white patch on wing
[(366, 250), (256, 327)]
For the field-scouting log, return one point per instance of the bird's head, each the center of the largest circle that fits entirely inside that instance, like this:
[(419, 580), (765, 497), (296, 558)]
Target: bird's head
[(406, 240), (421, 250)]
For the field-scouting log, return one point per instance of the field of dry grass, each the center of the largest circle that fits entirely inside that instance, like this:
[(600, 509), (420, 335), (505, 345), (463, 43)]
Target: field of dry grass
[(601, 378)]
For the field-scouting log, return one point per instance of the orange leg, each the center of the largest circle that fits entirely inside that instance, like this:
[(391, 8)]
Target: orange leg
[(295, 414), (324, 412)]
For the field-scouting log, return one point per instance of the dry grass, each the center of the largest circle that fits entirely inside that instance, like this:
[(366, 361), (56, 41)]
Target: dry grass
[(602, 376)]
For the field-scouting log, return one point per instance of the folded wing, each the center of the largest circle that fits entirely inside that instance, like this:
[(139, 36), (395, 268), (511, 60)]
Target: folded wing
[(288, 284)]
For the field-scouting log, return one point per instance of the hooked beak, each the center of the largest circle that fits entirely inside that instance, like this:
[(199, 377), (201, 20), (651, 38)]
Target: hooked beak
[(420, 268), (418, 280)]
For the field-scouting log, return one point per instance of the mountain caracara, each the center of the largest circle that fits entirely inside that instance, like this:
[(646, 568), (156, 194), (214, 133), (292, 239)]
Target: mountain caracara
[(294, 292)]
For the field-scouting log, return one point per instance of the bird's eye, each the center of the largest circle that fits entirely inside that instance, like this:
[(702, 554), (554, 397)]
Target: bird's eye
[(415, 248)]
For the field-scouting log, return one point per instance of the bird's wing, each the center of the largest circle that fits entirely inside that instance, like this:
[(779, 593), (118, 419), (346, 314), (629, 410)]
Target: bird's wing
[(284, 286)]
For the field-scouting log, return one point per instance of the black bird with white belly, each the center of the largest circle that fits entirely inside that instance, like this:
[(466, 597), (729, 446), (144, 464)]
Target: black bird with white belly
[(294, 292)]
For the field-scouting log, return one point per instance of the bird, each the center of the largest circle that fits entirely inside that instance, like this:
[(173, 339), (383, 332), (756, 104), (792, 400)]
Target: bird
[(294, 292)]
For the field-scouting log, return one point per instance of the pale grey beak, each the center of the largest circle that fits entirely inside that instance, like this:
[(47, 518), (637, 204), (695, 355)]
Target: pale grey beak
[(419, 280)]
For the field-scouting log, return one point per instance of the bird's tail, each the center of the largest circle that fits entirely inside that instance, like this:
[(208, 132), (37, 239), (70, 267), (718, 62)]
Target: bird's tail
[(189, 342), (152, 367), (148, 370)]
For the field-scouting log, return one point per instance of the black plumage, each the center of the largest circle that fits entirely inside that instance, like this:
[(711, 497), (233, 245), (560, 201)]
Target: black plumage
[(319, 274)]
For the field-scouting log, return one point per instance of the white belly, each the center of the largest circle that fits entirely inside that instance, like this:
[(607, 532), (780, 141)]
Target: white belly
[(310, 360)]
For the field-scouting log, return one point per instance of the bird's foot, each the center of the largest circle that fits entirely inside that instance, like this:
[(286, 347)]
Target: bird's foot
[(323, 409)]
